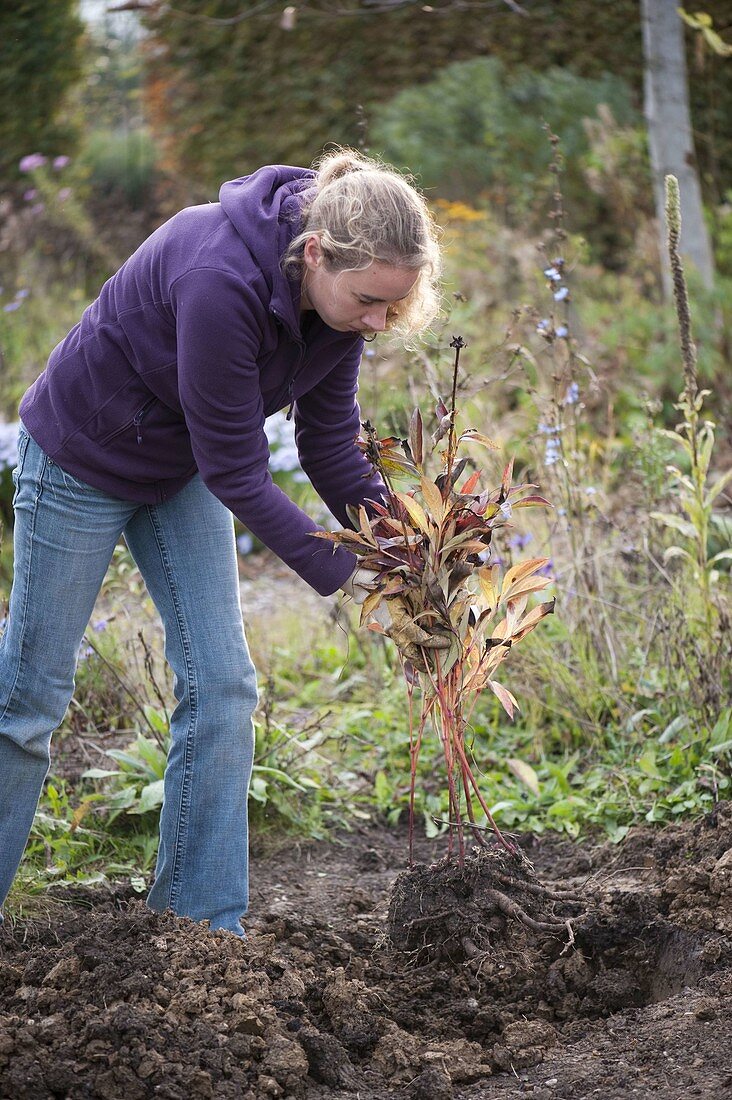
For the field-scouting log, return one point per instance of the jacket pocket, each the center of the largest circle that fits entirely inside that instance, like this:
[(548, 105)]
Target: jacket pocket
[(134, 423)]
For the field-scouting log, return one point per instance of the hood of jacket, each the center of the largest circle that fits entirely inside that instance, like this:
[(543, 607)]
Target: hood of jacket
[(265, 210)]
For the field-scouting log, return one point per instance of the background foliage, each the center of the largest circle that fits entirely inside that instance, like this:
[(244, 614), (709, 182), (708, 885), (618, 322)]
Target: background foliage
[(40, 66), (206, 78)]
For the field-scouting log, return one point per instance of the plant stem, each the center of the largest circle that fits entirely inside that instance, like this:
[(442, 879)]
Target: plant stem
[(681, 296), (458, 344)]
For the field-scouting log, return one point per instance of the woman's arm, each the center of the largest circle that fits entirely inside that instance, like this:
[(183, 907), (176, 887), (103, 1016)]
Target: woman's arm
[(327, 422), (220, 323)]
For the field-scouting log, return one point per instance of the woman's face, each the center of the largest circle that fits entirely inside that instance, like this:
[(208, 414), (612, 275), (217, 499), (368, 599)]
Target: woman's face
[(352, 301)]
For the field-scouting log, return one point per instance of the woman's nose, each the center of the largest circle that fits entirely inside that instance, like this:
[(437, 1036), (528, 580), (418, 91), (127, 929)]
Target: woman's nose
[(375, 319)]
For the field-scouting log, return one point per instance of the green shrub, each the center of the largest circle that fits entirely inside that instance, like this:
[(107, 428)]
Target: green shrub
[(475, 134)]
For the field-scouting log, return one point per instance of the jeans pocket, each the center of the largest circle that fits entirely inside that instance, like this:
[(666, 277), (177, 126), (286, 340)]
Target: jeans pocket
[(23, 441), (59, 478)]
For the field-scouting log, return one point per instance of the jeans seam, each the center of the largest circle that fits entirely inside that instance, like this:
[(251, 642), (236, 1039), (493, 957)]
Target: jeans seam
[(26, 580), (180, 841)]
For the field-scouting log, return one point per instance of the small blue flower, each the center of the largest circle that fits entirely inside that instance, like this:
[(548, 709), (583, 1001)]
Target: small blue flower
[(571, 397), (558, 262), (562, 331), (22, 293), (245, 544), (544, 326), (518, 542), (561, 294), (100, 626), (546, 570), (551, 454), (369, 353), (552, 274), (11, 306), (591, 490)]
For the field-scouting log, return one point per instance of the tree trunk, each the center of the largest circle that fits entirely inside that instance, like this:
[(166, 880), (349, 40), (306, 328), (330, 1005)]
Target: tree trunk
[(669, 133)]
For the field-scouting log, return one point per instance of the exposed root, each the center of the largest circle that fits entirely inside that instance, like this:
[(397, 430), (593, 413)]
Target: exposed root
[(539, 889), (511, 909)]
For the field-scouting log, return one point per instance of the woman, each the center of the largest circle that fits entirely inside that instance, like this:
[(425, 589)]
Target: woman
[(148, 421)]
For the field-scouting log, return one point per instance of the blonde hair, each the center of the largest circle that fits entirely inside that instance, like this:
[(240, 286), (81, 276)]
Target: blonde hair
[(364, 211)]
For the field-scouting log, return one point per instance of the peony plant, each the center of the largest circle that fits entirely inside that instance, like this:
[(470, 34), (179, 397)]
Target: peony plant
[(434, 590)]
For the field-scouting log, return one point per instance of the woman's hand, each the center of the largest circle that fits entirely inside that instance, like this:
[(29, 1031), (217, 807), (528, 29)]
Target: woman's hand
[(359, 584)]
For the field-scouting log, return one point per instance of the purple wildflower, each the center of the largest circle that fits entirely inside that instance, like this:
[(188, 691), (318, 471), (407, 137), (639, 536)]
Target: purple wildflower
[(546, 570), (100, 626), (518, 542), (20, 294), (31, 162), (544, 326), (38, 208), (11, 306), (30, 194), (61, 162), (561, 294)]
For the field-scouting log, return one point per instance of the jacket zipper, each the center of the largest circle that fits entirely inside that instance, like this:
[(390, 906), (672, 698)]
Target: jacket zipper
[(291, 383), (140, 416)]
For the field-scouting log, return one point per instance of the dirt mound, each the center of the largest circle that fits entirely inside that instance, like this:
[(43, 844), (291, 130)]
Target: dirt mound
[(491, 996), (457, 911)]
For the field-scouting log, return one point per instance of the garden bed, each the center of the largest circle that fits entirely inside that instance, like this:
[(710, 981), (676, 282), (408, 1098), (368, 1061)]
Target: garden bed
[(100, 998)]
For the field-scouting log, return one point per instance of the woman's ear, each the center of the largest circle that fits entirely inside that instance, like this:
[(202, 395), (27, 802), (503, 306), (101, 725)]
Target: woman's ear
[(312, 252)]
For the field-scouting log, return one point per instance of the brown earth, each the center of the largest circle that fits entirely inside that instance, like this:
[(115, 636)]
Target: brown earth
[(618, 983)]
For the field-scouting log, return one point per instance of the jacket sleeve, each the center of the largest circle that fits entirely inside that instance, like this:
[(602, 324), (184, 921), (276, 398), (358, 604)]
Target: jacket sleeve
[(219, 325), (327, 422)]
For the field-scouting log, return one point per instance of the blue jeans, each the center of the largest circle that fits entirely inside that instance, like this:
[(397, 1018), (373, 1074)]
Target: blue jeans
[(65, 532)]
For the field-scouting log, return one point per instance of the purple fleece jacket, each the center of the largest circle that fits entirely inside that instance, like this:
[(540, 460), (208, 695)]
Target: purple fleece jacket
[(189, 346)]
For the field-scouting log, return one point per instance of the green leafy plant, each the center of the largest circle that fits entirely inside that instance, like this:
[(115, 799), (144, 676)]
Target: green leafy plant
[(136, 785), (694, 439), (443, 597), (138, 778)]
